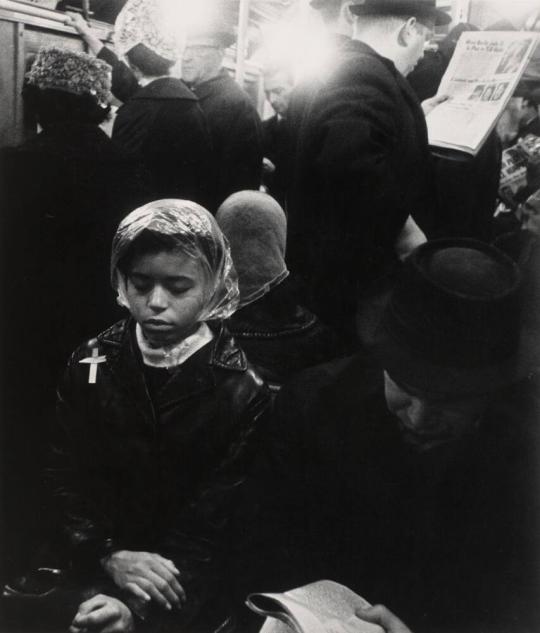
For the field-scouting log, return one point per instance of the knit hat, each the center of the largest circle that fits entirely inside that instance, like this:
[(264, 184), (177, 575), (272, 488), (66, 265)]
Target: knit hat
[(256, 228), (71, 71)]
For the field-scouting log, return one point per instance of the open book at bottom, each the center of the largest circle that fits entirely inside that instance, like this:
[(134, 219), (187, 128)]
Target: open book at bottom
[(320, 607)]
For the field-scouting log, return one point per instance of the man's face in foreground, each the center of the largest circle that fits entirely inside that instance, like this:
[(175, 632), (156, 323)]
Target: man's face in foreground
[(427, 421)]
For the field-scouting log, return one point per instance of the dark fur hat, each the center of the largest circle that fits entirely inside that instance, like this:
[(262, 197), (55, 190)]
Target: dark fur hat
[(451, 325), (418, 8)]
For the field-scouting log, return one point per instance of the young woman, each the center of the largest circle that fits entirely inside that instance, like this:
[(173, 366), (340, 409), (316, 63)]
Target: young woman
[(154, 420)]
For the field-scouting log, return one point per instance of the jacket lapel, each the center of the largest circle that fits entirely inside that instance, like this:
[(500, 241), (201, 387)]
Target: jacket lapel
[(123, 363), (198, 373)]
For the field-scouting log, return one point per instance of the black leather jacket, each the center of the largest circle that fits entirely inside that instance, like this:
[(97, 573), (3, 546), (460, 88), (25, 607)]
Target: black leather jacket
[(154, 474), (280, 336)]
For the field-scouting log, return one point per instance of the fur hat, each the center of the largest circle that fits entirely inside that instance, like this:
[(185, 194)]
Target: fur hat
[(71, 71), (451, 325)]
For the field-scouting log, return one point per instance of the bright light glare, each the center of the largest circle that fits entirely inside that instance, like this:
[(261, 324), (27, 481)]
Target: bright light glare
[(516, 11), (188, 14), (297, 44)]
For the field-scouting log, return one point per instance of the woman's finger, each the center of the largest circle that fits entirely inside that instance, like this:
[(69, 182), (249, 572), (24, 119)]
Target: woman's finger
[(164, 573), (99, 617), (89, 605), (163, 586), (137, 591), (148, 587), (169, 564)]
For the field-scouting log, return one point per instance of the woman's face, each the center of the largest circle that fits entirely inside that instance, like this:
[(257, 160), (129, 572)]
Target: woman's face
[(165, 292)]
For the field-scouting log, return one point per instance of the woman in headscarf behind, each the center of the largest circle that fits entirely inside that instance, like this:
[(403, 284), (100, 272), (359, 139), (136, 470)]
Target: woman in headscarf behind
[(152, 436), (279, 336)]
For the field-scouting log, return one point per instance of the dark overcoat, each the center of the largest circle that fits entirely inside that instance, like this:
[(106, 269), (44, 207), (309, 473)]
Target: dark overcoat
[(362, 167), (278, 147), (280, 336), (235, 129), (63, 193), (164, 127), (447, 538)]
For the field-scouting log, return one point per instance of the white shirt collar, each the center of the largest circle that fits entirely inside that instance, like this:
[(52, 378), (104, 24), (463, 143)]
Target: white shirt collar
[(176, 355)]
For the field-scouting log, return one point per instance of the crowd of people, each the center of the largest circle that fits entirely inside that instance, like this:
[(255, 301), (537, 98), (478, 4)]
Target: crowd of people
[(319, 358)]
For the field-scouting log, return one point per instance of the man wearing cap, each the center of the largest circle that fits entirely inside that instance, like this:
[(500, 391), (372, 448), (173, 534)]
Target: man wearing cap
[(416, 484), (233, 121), (160, 121), (362, 160)]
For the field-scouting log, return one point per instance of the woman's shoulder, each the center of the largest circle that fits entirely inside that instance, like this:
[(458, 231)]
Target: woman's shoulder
[(231, 365), (111, 338)]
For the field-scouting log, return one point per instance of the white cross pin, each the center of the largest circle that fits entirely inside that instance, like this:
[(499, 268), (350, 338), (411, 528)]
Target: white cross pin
[(93, 361)]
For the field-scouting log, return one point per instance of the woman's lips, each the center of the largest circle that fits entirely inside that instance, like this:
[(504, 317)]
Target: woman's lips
[(157, 324)]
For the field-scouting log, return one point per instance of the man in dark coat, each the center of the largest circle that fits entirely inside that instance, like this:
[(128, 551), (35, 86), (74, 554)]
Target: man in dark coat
[(277, 137), (417, 487), (235, 126), (362, 163), (160, 122), (234, 123)]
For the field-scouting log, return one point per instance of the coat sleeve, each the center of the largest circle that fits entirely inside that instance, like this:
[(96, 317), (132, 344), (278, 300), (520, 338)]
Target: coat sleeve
[(199, 543), (124, 82)]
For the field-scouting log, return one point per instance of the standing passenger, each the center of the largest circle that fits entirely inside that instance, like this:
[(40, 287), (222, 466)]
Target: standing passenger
[(278, 85), (362, 162), (235, 126), (160, 121)]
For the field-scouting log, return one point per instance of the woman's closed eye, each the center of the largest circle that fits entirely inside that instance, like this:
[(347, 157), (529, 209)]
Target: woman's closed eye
[(144, 284)]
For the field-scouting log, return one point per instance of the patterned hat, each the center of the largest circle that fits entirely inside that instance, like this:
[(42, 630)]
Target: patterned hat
[(71, 71), (145, 22)]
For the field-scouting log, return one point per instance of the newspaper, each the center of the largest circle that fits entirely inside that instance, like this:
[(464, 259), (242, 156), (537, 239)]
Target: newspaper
[(320, 607), (480, 79)]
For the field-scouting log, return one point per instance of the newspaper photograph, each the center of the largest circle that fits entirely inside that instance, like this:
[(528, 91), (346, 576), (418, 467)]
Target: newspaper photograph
[(480, 79)]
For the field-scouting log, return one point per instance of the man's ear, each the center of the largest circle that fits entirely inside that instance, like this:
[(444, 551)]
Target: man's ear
[(346, 14), (136, 71), (407, 31)]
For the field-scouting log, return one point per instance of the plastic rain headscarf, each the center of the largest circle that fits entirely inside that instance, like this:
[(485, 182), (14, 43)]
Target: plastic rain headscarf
[(152, 23), (196, 234)]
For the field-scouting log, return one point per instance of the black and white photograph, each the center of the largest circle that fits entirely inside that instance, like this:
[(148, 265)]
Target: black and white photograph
[(270, 329)]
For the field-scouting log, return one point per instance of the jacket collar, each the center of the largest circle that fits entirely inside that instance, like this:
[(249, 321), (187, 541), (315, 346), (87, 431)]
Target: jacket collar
[(193, 377), (276, 314), (224, 354), (212, 85), (165, 88), (357, 46)]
